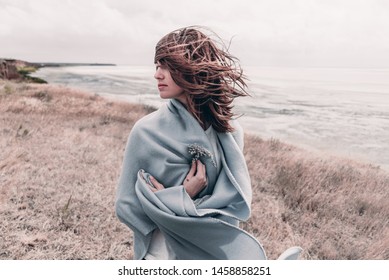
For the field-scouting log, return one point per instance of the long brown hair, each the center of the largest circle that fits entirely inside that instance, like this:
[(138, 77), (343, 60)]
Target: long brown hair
[(208, 74)]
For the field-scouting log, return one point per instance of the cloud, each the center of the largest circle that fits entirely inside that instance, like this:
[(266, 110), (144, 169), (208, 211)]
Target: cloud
[(276, 32)]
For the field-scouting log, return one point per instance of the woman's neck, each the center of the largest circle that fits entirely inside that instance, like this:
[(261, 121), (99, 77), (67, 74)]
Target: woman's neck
[(183, 100), (204, 123)]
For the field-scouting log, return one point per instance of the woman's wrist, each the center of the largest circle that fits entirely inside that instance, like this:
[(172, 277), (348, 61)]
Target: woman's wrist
[(189, 191)]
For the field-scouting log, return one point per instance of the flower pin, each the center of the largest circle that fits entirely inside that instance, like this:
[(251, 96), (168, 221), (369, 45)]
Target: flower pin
[(198, 151)]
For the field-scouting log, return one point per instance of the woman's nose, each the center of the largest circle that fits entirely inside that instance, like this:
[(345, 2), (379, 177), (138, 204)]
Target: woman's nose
[(158, 74)]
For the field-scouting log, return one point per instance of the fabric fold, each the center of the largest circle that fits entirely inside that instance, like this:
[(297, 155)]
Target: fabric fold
[(191, 234)]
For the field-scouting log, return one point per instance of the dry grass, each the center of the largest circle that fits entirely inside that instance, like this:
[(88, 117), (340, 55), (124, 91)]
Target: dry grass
[(334, 208), (60, 158)]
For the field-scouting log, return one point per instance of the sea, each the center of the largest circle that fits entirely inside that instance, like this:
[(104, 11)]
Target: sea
[(341, 111)]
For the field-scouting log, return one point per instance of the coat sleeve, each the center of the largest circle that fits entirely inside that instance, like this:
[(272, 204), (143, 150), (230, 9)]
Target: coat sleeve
[(128, 208)]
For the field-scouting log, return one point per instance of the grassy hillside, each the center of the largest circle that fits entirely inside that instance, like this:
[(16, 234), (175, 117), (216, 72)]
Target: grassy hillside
[(60, 157)]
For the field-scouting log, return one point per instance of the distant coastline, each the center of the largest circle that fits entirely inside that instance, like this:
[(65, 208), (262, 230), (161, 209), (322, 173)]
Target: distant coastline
[(60, 64), (20, 70), (295, 106), (342, 112)]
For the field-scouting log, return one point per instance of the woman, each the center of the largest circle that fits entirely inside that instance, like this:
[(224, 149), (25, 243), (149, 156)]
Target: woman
[(185, 186)]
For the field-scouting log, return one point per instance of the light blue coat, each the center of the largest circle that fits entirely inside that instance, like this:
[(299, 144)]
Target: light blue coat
[(203, 228)]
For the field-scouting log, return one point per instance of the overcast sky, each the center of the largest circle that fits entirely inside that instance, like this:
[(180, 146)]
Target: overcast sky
[(343, 33)]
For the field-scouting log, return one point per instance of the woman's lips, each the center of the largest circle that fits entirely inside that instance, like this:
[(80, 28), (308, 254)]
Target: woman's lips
[(161, 86)]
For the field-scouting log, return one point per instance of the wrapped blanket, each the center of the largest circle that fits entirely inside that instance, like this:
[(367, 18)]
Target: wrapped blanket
[(205, 227)]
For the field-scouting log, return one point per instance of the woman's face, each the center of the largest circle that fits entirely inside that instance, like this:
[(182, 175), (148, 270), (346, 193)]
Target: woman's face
[(166, 85)]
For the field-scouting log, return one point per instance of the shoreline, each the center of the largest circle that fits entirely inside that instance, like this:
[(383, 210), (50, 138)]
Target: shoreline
[(20, 70), (60, 158), (301, 123), (318, 151)]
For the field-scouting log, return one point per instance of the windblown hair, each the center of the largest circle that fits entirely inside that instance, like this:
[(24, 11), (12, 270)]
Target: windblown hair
[(208, 74)]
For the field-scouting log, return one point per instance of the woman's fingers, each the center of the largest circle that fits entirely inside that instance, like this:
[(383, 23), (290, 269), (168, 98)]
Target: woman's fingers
[(192, 171), (193, 168), (200, 169), (196, 180), (205, 174), (157, 185), (201, 173)]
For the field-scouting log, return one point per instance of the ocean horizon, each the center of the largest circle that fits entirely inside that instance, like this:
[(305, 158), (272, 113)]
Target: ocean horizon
[(341, 111)]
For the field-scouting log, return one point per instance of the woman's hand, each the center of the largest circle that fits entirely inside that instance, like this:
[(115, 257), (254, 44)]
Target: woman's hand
[(196, 180), (156, 186)]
